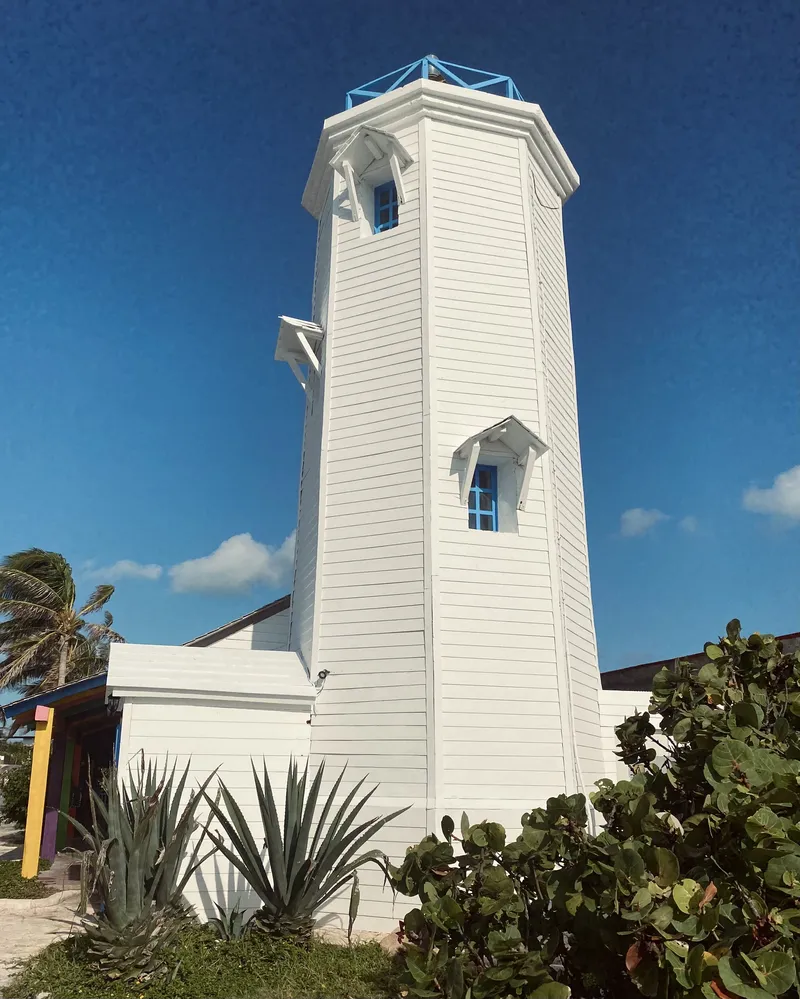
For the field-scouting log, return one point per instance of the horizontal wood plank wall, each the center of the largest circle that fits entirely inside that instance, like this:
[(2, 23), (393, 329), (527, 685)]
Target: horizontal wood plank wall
[(305, 568), (271, 634), (567, 475), (209, 735), (500, 719), (371, 711)]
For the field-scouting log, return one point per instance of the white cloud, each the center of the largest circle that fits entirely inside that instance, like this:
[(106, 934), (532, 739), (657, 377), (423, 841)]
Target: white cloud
[(782, 499), (238, 564), (690, 524), (124, 569), (637, 521)]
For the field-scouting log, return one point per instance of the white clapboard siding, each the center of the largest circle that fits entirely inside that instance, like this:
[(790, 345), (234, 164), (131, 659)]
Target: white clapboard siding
[(216, 708), (562, 428), (485, 371), (369, 627), (271, 634), (305, 560)]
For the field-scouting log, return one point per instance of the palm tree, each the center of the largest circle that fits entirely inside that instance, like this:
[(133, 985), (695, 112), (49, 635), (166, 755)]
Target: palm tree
[(44, 639)]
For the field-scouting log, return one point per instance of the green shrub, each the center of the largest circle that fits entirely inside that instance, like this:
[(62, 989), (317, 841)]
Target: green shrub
[(14, 783), (14, 752), (692, 888), (13, 885)]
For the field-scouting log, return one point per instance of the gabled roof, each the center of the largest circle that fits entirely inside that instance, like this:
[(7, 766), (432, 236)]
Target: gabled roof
[(511, 432), (254, 617), (367, 145)]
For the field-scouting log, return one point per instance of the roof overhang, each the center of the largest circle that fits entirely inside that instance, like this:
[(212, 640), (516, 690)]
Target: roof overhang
[(369, 148), (70, 701), (254, 617), (222, 675), (441, 102), (299, 343), (512, 434)]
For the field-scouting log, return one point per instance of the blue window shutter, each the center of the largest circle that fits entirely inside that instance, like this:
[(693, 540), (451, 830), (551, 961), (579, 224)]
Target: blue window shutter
[(483, 499), (386, 207)]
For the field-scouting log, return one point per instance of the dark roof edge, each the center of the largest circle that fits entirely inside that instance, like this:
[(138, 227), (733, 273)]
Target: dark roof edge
[(261, 614), (640, 677)]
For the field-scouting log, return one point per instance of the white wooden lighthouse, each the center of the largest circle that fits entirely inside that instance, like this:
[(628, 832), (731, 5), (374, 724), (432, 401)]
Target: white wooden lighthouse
[(441, 590)]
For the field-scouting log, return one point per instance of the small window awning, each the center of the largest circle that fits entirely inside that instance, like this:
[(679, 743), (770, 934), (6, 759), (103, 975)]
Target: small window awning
[(299, 343), (512, 434), (366, 148)]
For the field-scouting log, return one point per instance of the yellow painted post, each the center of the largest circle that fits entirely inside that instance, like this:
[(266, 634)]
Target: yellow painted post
[(38, 787)]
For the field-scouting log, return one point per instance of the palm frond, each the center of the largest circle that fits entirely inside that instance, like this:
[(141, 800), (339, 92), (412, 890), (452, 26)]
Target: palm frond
[(27, 612), (27, 661), (99, 598), (50, 568)]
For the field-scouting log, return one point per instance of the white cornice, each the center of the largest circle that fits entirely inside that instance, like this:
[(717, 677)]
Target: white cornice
[(439, 101)]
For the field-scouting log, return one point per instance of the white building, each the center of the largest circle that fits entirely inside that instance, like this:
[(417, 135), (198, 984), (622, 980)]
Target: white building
[(440, 634)]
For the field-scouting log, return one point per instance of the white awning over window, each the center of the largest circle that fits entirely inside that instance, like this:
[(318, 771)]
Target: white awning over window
[(512, 434), (368, 148)]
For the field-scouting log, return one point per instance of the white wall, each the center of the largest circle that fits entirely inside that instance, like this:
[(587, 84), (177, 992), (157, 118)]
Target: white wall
[(369, 632), (271, 634), (501, 738), (305, 567), (216, 708), (227, 737), (571, 550)]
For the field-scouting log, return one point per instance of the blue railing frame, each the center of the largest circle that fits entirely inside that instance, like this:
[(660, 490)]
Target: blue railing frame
[(400, 76)]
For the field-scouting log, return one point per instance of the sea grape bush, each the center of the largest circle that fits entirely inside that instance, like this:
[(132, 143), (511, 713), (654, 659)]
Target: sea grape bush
[(692, 887)]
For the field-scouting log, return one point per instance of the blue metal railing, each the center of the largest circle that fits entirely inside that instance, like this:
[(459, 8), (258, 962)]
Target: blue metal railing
[(472, 79)]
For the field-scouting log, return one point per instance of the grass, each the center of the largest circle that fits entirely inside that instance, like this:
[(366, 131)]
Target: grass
[(209, 969), (13, 885)]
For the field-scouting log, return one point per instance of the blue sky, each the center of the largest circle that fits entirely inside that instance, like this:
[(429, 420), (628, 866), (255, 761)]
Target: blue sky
[(153, 157)]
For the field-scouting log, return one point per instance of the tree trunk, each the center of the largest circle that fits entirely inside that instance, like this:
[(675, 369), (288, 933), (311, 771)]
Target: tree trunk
[(62, 663)]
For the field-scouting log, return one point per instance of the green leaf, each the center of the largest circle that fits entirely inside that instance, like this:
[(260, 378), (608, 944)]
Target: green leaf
[(551, 990), (731, 755), (686, 895), (667, 870), (774, 969), (682, 729), (784, 873), (735, 978), (629, 864), (748, 714), (713, 651), (448, 827), (694, 964), (455, 978), (764, 822)]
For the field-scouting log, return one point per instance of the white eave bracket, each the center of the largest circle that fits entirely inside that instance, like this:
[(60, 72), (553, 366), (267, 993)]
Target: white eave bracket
[(299, 343), (513, 434), (369, 147)]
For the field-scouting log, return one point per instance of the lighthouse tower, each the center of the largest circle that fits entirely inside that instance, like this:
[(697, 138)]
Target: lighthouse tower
[(441, 592)]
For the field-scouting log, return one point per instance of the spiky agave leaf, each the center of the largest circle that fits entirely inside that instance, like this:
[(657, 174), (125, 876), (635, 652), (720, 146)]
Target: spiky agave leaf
[(299, 879), (138, 852)]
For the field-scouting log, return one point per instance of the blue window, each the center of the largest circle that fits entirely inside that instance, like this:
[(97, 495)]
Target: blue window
[(386, 216), (483, 499)]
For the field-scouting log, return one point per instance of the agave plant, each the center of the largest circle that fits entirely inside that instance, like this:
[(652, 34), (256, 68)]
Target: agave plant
[(139, 841), (232, 925), (310, 861)]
